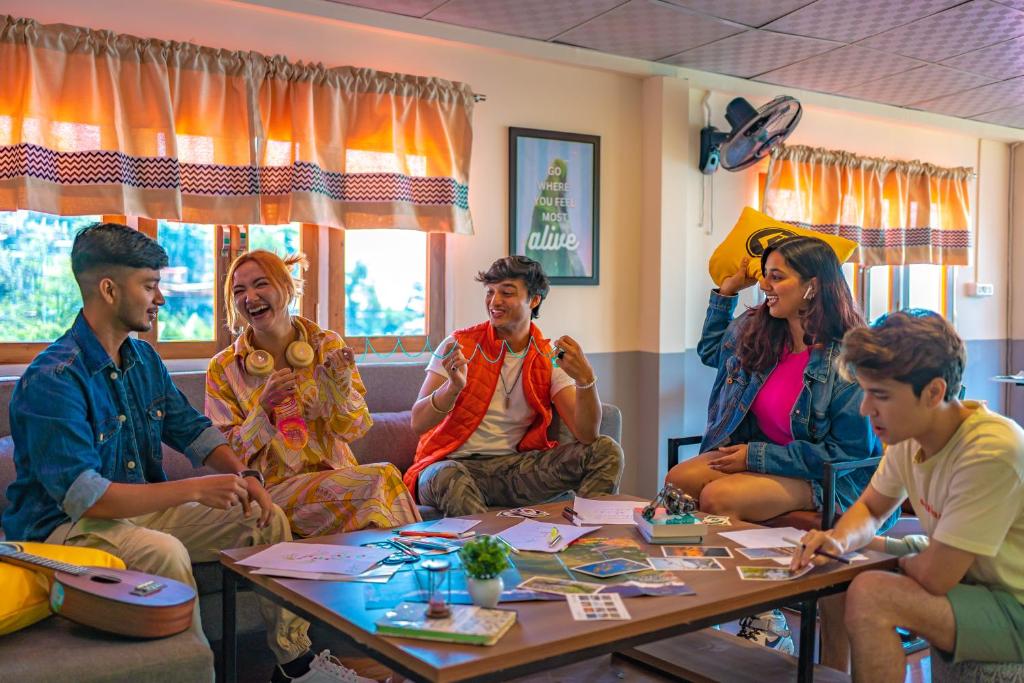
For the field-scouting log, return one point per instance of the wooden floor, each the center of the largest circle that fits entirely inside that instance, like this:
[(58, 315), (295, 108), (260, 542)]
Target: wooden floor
[(255, 664)]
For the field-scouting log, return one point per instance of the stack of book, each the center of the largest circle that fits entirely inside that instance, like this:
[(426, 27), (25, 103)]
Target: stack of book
[(466, 624), (665, 528)]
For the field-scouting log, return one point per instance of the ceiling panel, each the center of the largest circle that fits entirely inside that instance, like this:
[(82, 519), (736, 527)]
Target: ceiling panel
[(1004, 60), (750, 12), (915, 85), (541, 19), (970, 26), (411, 8), (751, 53), (1013, 116), (1015, 4), (648, 30), (977, 100), (840, 69), (850, 20)]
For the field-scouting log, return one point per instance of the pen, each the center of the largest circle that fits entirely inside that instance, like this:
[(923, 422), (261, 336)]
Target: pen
[(432, 545), (403, 547), (436, 534), (571, 515), (819, 551), (554, 537), (508, 545)]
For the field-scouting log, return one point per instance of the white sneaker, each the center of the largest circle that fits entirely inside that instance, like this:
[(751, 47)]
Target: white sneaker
[(325, 668), (769, 629)]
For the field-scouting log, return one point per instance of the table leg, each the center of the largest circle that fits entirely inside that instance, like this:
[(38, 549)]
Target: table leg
[(808, 633), (228, 638)]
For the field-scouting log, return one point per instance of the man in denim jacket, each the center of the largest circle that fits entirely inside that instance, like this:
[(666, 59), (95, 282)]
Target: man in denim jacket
[(88, 418)]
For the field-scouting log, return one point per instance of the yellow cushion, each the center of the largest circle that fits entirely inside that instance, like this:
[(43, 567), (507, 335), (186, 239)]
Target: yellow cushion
[(755, 231), (25, 598)]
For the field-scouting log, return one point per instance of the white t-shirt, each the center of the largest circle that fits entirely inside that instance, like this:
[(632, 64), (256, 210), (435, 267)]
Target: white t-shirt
[(502, 428), (969, 495)]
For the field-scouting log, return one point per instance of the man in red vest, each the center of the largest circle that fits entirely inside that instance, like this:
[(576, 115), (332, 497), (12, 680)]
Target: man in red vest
[(485, 406)]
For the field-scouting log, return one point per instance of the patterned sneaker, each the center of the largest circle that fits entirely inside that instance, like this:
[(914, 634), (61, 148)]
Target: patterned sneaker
[(326, 668), (768, 629)]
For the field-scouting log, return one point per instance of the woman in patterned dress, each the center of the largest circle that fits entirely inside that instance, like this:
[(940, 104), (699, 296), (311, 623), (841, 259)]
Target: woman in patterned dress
[(320, 486)]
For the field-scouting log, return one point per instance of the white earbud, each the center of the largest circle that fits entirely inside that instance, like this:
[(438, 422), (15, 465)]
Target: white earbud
[(809, 293)]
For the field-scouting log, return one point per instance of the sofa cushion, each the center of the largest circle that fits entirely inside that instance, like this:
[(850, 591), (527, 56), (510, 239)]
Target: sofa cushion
[(56, 649), (390, 439)]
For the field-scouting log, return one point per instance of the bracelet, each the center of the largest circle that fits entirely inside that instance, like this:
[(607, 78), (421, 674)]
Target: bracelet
[(587, 386), (434, 405)]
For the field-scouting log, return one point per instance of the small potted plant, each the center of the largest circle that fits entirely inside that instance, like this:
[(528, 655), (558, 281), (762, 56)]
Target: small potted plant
[(484, 559)]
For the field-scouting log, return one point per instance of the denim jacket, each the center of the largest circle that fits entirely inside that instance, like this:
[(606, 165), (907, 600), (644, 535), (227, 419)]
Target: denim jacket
[(826, 421), (79, 423)]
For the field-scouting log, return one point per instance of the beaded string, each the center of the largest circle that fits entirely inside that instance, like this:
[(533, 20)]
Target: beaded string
[(400, 348)]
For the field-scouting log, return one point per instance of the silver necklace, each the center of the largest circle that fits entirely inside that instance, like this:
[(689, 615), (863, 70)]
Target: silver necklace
[(505, 388)]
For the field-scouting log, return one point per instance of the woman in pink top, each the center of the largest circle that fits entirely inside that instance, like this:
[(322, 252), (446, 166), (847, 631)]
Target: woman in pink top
[(779, 409)]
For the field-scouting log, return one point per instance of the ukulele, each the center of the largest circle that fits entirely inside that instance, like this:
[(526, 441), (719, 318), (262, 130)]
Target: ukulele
[(117, 601)]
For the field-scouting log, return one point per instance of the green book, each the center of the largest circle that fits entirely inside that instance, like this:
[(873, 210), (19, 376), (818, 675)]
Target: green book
[(466, 624)]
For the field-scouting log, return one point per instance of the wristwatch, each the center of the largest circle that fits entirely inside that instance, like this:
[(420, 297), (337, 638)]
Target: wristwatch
[(255, 474)]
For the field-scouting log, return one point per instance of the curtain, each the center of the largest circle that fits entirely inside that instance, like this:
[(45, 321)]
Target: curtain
[(899, 212), (93, 122)]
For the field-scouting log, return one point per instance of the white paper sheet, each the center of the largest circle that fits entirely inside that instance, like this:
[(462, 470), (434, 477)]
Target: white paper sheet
[(605, 511), (449, 525), (317, 557), (762, 538), (380, 574), (536, 536)]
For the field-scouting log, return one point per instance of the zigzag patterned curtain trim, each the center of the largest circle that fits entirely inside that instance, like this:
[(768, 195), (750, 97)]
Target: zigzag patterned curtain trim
[(899, 212), (93, 122)]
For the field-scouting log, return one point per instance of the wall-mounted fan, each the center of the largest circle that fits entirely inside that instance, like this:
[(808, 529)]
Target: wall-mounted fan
[(754, 133)]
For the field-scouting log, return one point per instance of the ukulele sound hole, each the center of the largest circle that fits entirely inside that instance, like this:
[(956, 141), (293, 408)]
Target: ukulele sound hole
[(102, 578)]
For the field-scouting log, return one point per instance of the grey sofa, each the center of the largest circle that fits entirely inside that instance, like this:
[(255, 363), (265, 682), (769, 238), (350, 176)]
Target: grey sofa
[(88, 656)]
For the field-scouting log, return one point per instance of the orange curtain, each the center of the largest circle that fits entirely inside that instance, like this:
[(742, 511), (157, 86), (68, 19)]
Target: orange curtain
[(899, 212), (93, 122)]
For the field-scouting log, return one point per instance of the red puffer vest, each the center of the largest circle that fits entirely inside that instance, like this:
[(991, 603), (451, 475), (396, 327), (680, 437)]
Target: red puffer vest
[(471, 405)]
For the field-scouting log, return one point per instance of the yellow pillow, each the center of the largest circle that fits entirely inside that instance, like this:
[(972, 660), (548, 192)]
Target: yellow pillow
[(25, 598), (754, 232)]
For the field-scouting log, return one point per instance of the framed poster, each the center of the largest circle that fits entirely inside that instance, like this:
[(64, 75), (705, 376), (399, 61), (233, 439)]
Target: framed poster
[(554, 190)]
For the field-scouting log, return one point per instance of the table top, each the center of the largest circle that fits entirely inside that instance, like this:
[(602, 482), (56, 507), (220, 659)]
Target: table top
[(546, 629)]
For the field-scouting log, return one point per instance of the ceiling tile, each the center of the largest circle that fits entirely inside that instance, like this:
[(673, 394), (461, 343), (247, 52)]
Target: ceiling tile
[(412, 8), (915, 85), (751, 53), (839, 69), (1014, 116), (541, 19), (961, 29), (1015, 4), (648, 30), (1004, 60), (977, 100), (848, 21), (749, 12)]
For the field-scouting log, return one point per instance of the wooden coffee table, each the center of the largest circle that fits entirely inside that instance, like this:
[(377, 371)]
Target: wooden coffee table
[(546, 636)]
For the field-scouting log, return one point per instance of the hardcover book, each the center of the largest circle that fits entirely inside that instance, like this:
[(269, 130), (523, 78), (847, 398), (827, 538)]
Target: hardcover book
[(665, 528), (466, 624)]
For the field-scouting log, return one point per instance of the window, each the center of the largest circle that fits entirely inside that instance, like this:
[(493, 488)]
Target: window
[(39, 293), (890, 288), (392, 297)]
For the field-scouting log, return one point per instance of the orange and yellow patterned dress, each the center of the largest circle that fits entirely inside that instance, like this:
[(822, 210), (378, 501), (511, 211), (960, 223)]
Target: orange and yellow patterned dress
[(321, 487)]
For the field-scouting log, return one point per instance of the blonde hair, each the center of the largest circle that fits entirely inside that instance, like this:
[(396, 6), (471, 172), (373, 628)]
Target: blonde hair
[(278, 270)]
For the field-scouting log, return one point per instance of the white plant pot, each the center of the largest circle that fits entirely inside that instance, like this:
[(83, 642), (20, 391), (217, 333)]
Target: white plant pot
[(485, 592)]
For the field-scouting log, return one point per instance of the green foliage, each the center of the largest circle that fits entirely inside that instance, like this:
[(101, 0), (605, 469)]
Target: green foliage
[(39, 294), (484, 557), (365, 316)]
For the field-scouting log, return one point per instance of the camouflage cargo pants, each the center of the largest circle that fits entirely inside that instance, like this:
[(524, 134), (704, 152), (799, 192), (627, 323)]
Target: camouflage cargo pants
[(466, 486)]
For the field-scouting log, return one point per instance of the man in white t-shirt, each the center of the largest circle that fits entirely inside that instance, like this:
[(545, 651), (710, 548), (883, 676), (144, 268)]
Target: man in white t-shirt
[(485, 406), (962, 468)]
